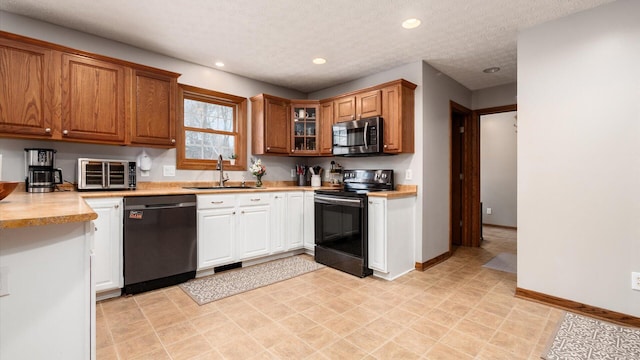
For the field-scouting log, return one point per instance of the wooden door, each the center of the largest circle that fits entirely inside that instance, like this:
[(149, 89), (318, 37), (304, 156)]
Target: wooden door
[(276, 127), (93, 99), (345, 108), (154, 114), (368, 104), (325, 135), (29, 93)]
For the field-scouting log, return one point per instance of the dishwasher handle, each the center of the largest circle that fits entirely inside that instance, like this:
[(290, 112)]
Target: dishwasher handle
[(161, 206)]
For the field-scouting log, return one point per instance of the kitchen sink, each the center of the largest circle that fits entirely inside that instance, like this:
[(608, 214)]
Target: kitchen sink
[(218, 187)]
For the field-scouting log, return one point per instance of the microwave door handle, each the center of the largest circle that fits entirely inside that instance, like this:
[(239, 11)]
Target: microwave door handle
[(366, 125)]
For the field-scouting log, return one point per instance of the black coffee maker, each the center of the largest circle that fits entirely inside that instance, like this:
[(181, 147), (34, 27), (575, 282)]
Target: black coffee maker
[(41, 175)]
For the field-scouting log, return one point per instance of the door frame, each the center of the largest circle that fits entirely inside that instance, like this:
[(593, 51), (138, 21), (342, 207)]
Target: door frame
[(471, 210)]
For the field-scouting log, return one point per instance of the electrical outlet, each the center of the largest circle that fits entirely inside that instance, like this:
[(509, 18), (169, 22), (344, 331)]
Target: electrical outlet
[(4, 280), (408, 175), (169, 170), (635, 280), (293, 173), (488, 211)]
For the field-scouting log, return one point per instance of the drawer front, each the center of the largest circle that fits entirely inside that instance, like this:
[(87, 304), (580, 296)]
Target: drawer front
[(216, 201), (254, 199)]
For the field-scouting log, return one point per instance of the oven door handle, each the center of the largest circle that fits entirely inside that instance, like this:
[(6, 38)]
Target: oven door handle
[(321, 199)]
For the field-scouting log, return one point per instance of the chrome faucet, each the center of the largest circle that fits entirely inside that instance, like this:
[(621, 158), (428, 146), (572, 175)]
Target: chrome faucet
[(223, 178)]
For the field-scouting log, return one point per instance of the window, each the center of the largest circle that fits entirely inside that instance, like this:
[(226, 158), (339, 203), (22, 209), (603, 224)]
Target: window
[(212, 123)]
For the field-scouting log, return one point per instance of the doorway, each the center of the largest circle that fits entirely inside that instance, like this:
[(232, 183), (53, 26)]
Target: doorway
[(465, 209)]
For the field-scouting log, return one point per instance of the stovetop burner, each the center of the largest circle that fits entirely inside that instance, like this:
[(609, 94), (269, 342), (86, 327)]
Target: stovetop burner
[(357, 183)]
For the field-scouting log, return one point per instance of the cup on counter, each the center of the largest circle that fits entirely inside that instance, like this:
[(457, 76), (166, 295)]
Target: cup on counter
[(316, 181), (302, 180)]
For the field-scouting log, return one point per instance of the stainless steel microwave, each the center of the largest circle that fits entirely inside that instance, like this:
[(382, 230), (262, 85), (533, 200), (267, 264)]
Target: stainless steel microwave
[(102, 174), (358, 137)]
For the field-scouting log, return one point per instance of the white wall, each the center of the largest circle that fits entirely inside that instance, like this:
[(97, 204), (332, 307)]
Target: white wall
[(495, 96), (498, 168), (579, 157), (278, 168)]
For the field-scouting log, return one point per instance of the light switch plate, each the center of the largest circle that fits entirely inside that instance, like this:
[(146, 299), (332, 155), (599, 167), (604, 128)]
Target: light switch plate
[(408, 175), (635, 280), (169, 170)]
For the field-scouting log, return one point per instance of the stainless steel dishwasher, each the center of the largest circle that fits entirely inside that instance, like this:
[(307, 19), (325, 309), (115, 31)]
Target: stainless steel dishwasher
[(160, 247)]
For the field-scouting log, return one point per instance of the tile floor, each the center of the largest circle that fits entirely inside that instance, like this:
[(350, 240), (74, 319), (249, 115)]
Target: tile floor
[(454, 310)]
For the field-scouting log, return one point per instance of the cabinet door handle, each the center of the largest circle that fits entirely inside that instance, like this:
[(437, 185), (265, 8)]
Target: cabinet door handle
[(47, 130)]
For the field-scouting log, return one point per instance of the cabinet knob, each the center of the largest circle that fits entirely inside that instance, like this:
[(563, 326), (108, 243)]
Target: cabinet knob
[(95, 228), (268, 148), (173, 141), (233, 213), (370, 202), (65, 132), (117, 206), (385, 146), (359, 116), (47, 130)]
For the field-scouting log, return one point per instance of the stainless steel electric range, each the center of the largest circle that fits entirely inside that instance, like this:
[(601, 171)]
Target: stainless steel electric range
[(341, 222)]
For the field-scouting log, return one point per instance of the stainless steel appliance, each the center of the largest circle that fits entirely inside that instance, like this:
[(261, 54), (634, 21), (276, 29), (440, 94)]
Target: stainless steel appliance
[(341, 239), (358, 137), (160, 247), (41, 175), (103, 174)]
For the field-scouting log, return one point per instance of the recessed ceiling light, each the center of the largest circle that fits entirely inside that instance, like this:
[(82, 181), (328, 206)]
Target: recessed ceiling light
[(491, 70), (219, 64), (319, 61), (411, 23)]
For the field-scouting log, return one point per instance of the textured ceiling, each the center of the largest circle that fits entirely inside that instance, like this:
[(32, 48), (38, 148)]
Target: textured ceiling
[(275, 40)]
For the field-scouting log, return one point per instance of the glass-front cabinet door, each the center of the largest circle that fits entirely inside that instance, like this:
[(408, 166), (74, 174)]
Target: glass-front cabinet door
[(305, 128)]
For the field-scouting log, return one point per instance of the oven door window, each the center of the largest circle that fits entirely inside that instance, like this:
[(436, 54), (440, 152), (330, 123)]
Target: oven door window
[(340, 228)]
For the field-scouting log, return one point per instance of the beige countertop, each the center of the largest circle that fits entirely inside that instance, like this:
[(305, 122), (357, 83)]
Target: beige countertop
[(23, 209)]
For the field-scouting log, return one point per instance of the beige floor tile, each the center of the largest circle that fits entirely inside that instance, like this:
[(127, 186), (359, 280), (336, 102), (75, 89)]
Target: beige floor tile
[(475, 329), (342, 326), (429, 328), (343, 349), (223, 333), (512, 344), (318, 337), (391, 350), (177, 332), (292, 349), (211, 320), (138, 346), (188, 348), (107, 353), (240, 348), (443, 352), (366, 339), (466, 343), (154, 355), (269, 336), (127, 331), (414, 341)]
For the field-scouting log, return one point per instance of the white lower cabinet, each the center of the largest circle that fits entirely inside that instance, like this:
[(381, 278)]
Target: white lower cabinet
[(391, 231), (309, 232), (295, 220), (253, 225), (108, 235), (278, 222), (232, 228)]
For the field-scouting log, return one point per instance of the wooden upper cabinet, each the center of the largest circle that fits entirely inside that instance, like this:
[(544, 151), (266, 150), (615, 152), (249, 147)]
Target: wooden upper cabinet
[(398, 117), (270, 129), (28, 105), (153, 119), (358, 106), (93, 99), (325, 134), (304, 127)]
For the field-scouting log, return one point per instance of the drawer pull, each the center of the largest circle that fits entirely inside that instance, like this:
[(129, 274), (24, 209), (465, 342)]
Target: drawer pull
[(217, 202), (255, 199)]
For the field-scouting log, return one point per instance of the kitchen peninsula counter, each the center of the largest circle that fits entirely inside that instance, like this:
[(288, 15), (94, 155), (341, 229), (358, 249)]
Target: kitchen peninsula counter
[(23, 209)]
